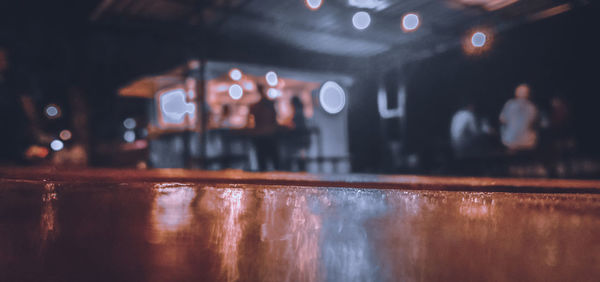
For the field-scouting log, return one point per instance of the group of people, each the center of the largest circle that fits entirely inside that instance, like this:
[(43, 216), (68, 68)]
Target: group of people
[(520, 123), (265, 133)]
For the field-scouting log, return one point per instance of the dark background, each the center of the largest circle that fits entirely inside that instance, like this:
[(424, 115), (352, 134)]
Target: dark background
[(54, 47)]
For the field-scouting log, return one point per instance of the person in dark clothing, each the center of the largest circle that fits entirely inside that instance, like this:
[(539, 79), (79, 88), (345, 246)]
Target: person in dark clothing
[(265, 129), (298, 139), (298, 119), (560, 142), (464, 132)]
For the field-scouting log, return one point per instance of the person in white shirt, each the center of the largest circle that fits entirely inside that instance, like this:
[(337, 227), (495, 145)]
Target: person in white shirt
[(463, 131), (519, 117)]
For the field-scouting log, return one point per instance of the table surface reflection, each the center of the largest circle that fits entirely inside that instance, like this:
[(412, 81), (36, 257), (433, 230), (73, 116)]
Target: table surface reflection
[(168, 231)]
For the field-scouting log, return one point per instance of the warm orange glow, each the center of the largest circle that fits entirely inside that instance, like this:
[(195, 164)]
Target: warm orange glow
[(65, 135), (556, 10), (52, 111), (313, 4), (235, 74), (217, 97), (489, 5), (477, 41), (411, 22), (35, 151)]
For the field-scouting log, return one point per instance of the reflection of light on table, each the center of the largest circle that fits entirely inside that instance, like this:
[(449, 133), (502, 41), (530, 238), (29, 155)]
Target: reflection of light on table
[(346, 252), (48, 222), (171, 210), (476, 205), (227, 229), (291, 233)]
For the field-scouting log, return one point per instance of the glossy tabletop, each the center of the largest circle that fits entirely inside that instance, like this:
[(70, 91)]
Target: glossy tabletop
[(92, 230)]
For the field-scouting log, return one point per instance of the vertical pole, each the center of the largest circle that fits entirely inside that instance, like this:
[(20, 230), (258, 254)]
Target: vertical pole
[(202, 115), (191, 92)]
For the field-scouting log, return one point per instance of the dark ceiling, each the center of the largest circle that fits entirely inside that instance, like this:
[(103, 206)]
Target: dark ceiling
[(329, 29), (114, 41)]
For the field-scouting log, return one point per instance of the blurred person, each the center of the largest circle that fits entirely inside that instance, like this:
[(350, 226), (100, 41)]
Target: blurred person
[(265, 128), (464, 131), (298, 118), (518, 118), (225, 117), (298, 139), (560, 117), (561, 141), (80, 149), (224, 137)]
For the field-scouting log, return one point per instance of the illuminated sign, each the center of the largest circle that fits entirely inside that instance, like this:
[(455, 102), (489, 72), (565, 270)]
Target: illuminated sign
[(174, 109)]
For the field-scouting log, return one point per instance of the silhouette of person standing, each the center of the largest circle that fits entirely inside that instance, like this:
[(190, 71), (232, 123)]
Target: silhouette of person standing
[(265, 129), (519, 117)]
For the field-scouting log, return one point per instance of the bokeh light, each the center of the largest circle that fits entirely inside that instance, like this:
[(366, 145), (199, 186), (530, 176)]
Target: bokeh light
[(478, 39), (65, 135), (271, 78), (235, 74), (273, 93), (313, 4), (236, 92), (249, 85), (361, 20), (129, 123), (332, 97), (56, 145), (52, 111), (410, 22), (129, 136), (174, 107)]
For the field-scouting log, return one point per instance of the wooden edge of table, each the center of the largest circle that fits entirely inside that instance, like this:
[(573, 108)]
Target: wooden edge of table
[(366, 181)]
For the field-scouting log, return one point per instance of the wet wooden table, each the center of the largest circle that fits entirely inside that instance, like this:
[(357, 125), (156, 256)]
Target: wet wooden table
[(177, 225)]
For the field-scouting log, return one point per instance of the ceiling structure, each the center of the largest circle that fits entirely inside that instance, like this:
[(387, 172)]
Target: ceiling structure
[(328, 30)]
